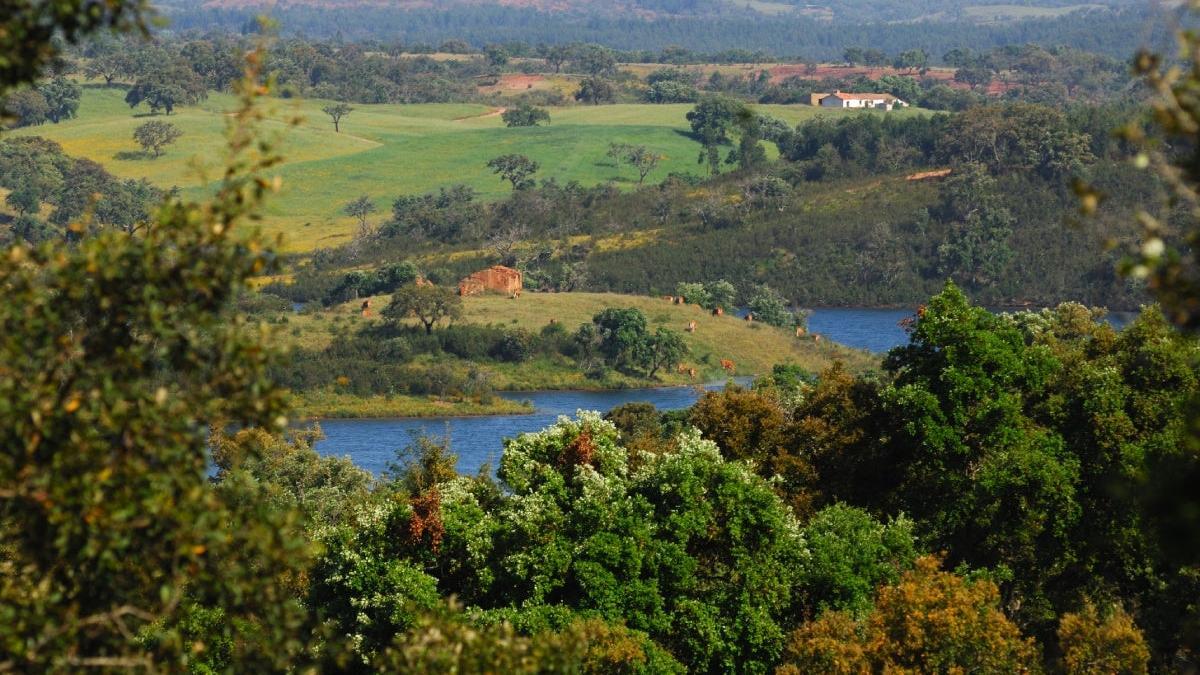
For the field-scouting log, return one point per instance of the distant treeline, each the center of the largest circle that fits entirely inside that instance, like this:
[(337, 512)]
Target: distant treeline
[(1107, 32)]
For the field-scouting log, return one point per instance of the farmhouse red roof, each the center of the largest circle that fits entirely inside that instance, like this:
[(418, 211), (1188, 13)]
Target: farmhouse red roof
[(851, 97)]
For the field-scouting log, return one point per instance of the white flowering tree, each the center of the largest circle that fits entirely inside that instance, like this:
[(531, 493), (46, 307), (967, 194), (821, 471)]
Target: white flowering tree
[(697, 552)]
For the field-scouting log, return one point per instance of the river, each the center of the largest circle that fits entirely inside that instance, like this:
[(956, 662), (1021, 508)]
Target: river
[(372, 443)]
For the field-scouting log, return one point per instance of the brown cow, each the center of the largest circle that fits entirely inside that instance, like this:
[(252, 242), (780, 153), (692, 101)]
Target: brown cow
[(669, 298), (728, 365), (749, 317), (718, 312), (816, 338), (678, 300), (691, 327), (692, 373), (366, 308), (681, 369), (800, 331), (553, 322)]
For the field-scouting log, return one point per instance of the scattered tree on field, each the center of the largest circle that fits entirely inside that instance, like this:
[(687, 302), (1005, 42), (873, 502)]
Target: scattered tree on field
[(525, 114), (165, 87), (336, 112), (360, 209), (556, 56), (155, 135), (109, 66), (28, 106), (516, 169), (711, 120), (427, 304), (665, 349), (768, 306), (641, 158), (596, 90), (62, 99), (595, 60)]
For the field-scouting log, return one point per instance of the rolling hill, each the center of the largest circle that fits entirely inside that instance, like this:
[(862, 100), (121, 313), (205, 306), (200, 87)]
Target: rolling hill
[(834, 10), (384, 151)]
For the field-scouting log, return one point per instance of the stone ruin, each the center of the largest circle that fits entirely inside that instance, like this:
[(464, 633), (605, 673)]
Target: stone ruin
[(495, 279)]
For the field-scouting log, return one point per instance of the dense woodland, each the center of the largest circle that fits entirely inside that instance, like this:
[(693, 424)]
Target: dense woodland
[(1116, 33), (1005, 493)]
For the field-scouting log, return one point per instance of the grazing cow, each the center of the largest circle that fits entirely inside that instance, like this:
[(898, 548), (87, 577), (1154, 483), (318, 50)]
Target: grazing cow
[(681, 369), (718, 312), (728, 365), (692, 373), (749, 318), (691, 327), (816, 338), (800, 331), (553, 322), (669, 298), (366, 308)]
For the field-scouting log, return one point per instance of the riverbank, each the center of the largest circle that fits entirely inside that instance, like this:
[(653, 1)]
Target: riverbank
[(312, 405)]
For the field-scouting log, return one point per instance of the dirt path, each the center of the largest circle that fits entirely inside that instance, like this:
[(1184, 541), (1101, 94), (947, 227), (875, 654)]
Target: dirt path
[(493, 113)]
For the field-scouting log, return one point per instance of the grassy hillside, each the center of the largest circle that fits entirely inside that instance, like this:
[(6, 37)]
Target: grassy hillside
[(753, 347), (383, 151)]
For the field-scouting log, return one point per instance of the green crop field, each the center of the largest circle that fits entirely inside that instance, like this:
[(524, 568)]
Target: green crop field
[(383, 151)]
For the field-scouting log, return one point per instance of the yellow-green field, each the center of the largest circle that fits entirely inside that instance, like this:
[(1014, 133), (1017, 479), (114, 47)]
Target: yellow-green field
[(1015, 12), (383, 151)]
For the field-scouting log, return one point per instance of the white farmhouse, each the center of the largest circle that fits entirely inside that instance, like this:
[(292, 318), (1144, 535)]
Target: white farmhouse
[(840, 99)]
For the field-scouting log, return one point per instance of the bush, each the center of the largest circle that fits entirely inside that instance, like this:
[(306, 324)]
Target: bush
[(514, 346), (525, 115), (262, 303)]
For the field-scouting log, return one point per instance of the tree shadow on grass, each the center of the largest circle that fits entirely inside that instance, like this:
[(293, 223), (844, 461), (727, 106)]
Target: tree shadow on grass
[(131, 155)]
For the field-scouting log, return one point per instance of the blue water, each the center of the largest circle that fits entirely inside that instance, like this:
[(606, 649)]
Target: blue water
[(880, 329), (875, 329), (479, 440)]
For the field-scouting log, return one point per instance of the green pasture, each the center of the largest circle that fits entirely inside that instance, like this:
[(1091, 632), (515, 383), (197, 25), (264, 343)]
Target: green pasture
[(383, 151), (1016, 12)]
